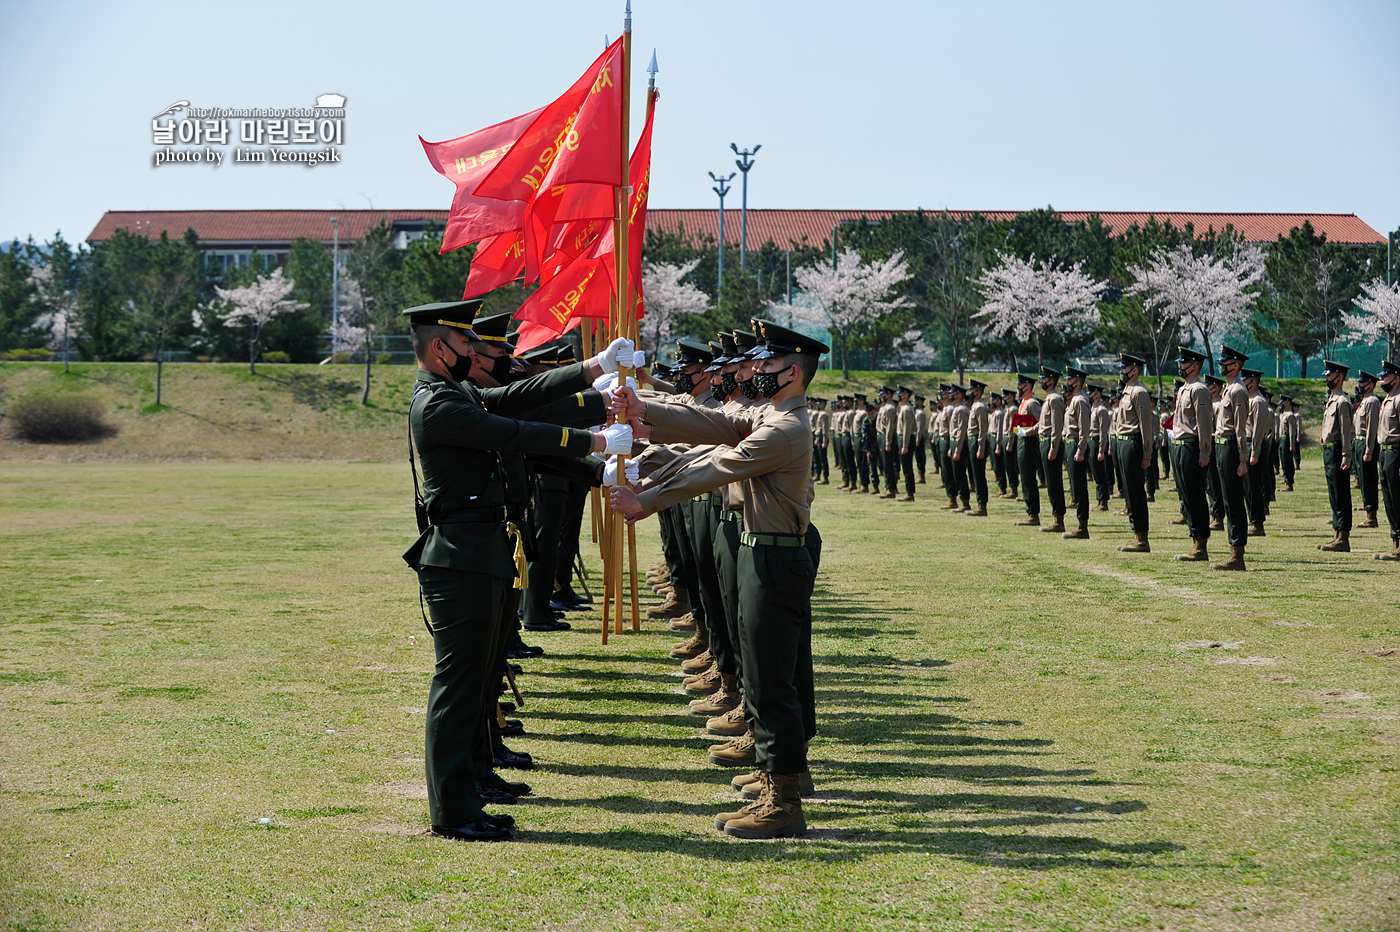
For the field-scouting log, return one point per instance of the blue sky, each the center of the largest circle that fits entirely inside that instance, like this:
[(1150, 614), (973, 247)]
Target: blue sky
[(1112, 106)]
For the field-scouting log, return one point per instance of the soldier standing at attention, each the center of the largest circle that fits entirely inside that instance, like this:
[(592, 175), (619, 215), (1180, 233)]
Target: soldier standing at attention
[(1259, 425), (1132, 447), (838, 440), (1336, 455), (944, 426), (1193, 437), (1052, 432), (979, 428), (1099, 440), (822, 433), (1288, 434), (1079, 425), (1388, 446), (887, 437), (1027, 429), (1008, 444), (862, 452), (1231, 417), (907, 429), (1364, 450), (994, 419), (958, 430), (920, 436)]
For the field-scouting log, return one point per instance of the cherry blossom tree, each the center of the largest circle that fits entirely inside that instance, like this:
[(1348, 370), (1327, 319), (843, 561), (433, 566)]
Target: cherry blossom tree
[(61, 322), (1379, 317), (256, 304), (668, 297), (1026, 302), (851, 294), (1208, 293)]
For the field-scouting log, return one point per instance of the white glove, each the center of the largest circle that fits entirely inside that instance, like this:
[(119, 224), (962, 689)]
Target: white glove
[(608, 358), (608, 381), (634, 472), (619, 438), (639, 360)]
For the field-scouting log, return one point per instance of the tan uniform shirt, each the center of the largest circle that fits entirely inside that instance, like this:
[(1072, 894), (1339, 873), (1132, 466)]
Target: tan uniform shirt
[(858, 425), (1194, 415), (1232, 413), (767, 450), (1031, 405), (979, 426), (1336, 424), (958, 419), (1135, 415), (1368, 415), (1052, 421), (1079, 421), (906, 427), (941, 421), (920, 425), (1259, 425), (1103, 424), (885, 419), (1290, 428), (1388, 421)]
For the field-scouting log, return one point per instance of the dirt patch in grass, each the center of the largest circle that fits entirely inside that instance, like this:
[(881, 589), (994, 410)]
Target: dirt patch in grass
[(1341, 695), (411, 789), (1208, 645), (1249, 661)]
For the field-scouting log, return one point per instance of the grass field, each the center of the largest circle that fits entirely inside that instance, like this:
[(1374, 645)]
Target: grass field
[(1017, 732)]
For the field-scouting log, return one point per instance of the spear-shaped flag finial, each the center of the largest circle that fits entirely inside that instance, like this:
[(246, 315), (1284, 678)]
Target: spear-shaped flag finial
[(651, 70), (627, 24)]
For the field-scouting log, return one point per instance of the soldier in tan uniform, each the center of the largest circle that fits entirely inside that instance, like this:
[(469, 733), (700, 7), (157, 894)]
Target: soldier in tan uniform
[(1259, 426), (1052, 431), (979, 426), (886, 429), (1100, 441), (906, 428), (1079, 426), (767, 450), (821, 438), (1008, 444), (858, 438), (1231, 457), (1132, 447), (994, 420), (1290, 433), (920, 437), (1028, 447), (1192, 440), (1388, 450), (959, 416), (1336, 455), (1364, 454)]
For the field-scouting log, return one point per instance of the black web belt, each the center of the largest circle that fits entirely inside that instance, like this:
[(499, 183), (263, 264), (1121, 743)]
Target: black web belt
[(496, 515)]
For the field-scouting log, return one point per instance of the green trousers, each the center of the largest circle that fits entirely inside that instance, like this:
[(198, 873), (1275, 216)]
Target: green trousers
[(1028, 465), (775, 622), (1078, 476), (1191, 481), (1054, 472), (1232, 491), (464, 610), (1127, 451), (1338, 486), (1388, 474), (704, 524)]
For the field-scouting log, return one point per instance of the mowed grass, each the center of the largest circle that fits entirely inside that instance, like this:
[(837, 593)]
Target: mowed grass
[(1017, 732)]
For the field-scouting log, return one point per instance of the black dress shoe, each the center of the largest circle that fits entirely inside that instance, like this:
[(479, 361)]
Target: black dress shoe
[(493, 796), (567, 606), (500, 821), (480, 830), (506, 759), (506, 705), (569, 595), (552, 624), (530, 650), (507, 786), (517, 669), (513, 729), (516, 653)]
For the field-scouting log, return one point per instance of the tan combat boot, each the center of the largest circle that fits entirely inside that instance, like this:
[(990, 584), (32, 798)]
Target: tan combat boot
[(1122, 512), (979, 512), (676, 605), (1028, 521), (1256, 530), (736, 752), (1058, 527), (1217, 524), (1139, 544), (887, 494), (1288, 487), (1392, 555), (952, 504), (876, 489), (1151, 496), (921, 479), (1081, 534), (1370, 519), (703, 684), (905, 498), (777, 813), (1103, 506), (966, 505), (865, 489), (806, 788), (722, 700), (1342, 543), (692, 647), (1198, 552), (1179, 519), (1234, 562), (699, 663), (729, 725)]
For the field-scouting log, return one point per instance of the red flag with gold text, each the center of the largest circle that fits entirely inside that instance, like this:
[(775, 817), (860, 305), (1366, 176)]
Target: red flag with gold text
[(466, 161)]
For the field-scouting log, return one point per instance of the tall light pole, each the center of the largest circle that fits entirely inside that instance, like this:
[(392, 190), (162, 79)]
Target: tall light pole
[(335, 281), (745, 163), (721, 188)]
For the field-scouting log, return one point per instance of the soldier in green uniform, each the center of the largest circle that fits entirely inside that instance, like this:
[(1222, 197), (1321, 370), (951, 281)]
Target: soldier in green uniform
[(768, 452), (1388, 450), (1289, 433), (1336, 455), (887, 441), (859, 442), (470, 549)]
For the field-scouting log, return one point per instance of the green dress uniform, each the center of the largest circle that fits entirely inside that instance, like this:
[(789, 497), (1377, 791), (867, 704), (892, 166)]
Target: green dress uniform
[(905, 429), (858, 440), (466, 559), (887, 442), (920, 438), (1290, 434), (1099, 461)]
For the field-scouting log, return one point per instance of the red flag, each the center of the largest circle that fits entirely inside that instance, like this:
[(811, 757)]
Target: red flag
[(466, 161), (498, 261), (639, 177), (581, 288), (578, 138), (531, 334)]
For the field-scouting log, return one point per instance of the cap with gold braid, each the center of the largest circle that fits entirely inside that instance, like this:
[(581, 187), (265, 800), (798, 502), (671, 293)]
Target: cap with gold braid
[(458, 314), (780, 341), (494, 329)]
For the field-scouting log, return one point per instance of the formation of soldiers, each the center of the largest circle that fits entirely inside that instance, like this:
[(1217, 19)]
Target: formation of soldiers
[(726, 451), (1225, 439)]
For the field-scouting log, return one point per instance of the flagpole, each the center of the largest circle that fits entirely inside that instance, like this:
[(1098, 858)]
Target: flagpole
[(626, 323)]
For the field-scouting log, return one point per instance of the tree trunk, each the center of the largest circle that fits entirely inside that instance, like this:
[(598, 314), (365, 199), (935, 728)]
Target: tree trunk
[(1304, 358), (158, 369), (874, 357), (253, 356), (1210, 355), (845, 365), (1039, 349), (364, 399)]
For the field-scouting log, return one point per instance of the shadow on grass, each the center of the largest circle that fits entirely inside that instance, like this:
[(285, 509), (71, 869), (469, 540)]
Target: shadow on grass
[(314, 389)]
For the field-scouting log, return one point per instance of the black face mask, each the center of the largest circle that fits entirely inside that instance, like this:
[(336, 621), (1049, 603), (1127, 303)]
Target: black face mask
[(717, 392), (767, 383), (749, 389), (728, 382), (685, 382), (459, 370), (501, 369)]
